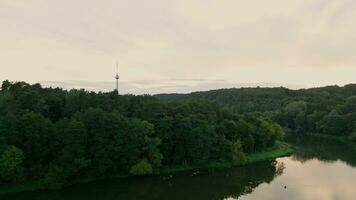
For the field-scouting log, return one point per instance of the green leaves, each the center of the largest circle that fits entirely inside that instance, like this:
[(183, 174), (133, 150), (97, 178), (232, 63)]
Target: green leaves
[(353, 137), (70, 136), (143, 167), (36, 136), (237, 155), (152, 151), (199, 143), (11, 164)]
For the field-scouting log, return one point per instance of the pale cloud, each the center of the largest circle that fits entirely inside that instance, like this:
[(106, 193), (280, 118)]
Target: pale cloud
[(233, 40)]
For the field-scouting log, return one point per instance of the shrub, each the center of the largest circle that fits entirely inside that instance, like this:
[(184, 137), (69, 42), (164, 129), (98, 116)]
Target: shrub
[(141, 168)]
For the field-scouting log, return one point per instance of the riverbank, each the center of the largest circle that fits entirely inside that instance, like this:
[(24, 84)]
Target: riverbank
[(279, 150)]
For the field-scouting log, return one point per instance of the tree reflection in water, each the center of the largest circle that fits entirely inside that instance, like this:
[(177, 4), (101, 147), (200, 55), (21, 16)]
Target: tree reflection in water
[(211, 184), (326, 150)]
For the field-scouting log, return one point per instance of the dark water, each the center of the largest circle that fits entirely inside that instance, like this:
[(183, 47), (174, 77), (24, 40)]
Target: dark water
[(320, 169)]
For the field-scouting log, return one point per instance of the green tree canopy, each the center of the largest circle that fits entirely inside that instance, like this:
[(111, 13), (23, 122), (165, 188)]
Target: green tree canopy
[(11, 164)]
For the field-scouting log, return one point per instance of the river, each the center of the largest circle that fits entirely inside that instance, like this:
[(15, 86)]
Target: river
[(320, 169)]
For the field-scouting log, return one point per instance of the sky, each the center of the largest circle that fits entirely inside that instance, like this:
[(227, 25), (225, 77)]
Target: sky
[(165, 46)]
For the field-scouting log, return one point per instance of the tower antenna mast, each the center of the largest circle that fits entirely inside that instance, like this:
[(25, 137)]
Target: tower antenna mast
[(117, 77)]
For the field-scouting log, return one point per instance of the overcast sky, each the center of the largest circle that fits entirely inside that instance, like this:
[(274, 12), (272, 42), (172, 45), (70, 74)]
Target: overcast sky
[(178, 45)]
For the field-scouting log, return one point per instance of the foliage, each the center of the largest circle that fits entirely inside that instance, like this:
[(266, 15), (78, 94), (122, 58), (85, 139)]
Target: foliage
[(152, 151), (354, 137), (11, 162), (279, 149), (237, 155), (64, 137), (327, 110), (143, 167)]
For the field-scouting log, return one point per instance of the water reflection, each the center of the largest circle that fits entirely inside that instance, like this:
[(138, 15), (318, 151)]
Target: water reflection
[(325, 150), (218, 184), (320, 169), (309, 181)]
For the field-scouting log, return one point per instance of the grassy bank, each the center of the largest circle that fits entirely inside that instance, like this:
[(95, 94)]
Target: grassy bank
[(279, 150)]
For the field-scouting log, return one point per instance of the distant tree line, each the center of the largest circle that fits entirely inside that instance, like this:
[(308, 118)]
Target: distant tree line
[(60, 137), (326, 110)]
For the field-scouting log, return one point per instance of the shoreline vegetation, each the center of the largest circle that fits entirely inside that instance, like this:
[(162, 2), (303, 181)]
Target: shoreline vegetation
[(280, 149)]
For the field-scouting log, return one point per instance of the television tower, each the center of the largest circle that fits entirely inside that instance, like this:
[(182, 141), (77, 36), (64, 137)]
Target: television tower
[(117, 77)]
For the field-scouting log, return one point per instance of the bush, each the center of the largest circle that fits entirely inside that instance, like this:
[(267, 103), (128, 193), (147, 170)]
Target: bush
[(141, 168)]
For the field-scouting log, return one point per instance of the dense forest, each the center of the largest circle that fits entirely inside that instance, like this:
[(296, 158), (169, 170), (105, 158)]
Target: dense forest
[(327, 110), (59, 137)]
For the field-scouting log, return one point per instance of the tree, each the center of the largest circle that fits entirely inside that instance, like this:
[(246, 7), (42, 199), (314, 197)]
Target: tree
[(76, 135), (11, 164), (101, 130), (247, 130), (354, 137), (5, 85), (230, 130), (350, 105), (153, 152), (164, 131), (72, 157), (248, 143), (199, 142), (36, 137), (143, 167), (7, 130), (293, 115), (237, 155), (180, 134), (334, 124), (7, 103)]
